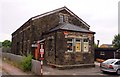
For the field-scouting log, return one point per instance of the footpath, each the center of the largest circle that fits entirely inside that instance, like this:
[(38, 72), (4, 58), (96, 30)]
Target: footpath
[(12, 70)]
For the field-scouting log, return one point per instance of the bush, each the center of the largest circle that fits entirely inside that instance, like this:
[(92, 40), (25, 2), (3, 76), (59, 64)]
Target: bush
[(26, 63)]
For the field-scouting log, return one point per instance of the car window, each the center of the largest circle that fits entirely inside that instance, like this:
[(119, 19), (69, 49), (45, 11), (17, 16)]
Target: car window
[(110, 61), (117, 63)]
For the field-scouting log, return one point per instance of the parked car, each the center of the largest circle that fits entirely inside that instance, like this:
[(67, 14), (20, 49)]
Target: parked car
[(111, 65)]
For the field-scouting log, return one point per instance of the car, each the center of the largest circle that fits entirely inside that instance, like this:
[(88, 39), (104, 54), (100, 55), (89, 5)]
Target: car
[(111, 65)]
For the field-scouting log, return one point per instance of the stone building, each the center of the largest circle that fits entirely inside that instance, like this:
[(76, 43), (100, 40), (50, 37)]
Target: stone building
[(68, 40)]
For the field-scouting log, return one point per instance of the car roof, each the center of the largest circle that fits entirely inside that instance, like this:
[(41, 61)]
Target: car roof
[(114, 59), (110, 60)]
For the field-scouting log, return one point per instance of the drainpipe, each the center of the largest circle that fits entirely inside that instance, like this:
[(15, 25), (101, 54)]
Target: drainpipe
[(114, 55)]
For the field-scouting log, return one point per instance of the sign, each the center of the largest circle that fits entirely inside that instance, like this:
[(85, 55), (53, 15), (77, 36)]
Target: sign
[(41, 50), (65, 33), (34, 45)]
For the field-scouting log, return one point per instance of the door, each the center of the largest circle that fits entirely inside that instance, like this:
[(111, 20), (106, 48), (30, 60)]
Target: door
[(78, 45)]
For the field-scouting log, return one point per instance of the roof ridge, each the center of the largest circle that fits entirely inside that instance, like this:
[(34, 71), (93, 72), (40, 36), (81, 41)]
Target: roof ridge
[(49, 12)]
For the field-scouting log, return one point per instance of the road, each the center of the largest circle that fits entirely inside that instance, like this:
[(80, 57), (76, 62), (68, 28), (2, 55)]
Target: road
[(78, 71)]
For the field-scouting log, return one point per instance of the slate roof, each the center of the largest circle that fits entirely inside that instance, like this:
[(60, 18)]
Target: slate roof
[(70, 27)]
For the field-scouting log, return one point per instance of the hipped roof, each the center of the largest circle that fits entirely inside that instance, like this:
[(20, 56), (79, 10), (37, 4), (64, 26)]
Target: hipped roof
[(70, 27)]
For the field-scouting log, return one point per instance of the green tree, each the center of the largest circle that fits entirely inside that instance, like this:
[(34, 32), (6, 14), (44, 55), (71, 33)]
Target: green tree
[(116, 41), (95, 45), (6, 43)]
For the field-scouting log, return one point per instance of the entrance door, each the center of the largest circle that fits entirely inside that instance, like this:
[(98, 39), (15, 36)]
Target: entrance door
[(78, 45)]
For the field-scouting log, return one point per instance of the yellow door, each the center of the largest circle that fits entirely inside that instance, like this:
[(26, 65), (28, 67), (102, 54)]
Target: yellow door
[(77, 47)]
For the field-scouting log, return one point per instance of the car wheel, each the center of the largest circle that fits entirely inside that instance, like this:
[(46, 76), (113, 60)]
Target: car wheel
[(118, 71)]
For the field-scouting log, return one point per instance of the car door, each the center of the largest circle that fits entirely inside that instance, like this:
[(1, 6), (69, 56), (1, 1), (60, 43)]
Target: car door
[(117, 65)]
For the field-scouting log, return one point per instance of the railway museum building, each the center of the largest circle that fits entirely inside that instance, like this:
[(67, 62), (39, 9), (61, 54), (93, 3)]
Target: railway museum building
[(67, 38)]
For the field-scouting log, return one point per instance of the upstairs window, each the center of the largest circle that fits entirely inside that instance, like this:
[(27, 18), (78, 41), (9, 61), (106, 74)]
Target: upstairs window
[(63, 18)]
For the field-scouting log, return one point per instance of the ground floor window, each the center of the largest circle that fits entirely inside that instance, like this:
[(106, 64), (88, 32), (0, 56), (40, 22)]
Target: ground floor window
[(85, 45), (77, 44), (70, 45)]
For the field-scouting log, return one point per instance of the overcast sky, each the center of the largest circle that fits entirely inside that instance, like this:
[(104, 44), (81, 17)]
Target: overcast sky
[(101, 15)]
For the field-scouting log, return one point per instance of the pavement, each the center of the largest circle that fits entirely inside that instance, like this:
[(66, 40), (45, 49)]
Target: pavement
[(9, 69), (12, 70)]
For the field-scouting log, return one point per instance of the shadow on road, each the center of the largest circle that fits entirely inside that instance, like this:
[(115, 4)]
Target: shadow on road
[(110, 74)]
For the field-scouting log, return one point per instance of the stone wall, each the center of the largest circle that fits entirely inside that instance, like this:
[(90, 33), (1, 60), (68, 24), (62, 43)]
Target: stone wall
[(12, 57)]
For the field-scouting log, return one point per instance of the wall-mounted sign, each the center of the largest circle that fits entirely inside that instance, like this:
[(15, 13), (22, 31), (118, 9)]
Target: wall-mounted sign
[(65, 32)]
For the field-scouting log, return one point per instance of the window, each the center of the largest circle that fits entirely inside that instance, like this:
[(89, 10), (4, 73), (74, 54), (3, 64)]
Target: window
[(50, 45), (77, 45), (63, 18), (102, 53), (69, 45), (85, 45), (117, 63)]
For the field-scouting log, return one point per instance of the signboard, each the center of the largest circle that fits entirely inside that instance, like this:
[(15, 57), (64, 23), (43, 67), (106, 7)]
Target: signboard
[(41, 50)]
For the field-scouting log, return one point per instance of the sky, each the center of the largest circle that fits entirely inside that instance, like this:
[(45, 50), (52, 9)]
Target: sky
[(101, 15)]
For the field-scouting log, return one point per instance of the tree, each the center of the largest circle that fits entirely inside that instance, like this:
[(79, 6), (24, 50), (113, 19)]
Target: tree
[(6, 43), (116, 41), (95, 45)]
